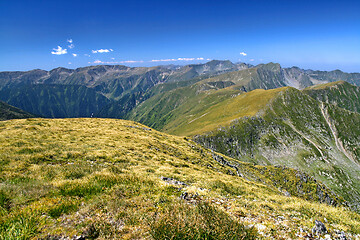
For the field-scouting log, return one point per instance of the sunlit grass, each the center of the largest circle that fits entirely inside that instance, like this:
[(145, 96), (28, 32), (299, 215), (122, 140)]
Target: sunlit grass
[(103, 177)]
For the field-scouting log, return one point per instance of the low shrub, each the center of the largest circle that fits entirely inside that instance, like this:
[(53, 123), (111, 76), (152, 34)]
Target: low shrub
[(203, 221)]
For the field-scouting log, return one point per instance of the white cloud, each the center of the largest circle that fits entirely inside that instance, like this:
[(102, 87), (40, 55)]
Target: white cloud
[(74, 54), (102, 51), (87, 55), (163, 60), (186, 59), (154, 60), (59, 51), (71, 46), (120, 62), (243, 54), (251, 60), (69, 62), (177, 59), (131, 61)]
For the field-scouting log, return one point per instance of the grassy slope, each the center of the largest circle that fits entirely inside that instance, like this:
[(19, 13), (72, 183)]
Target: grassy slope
[(169, 110), (170, 107), (293, 130), (9, 112), (340, 93), (103, 177), (222, 113)]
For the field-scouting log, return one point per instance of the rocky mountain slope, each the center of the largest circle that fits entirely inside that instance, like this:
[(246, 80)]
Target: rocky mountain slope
[(110, 179), (114, 81), (282, 126), (9, 112), (182, 104), (126, 87), (295, 130), (117, 83), (341, 94)]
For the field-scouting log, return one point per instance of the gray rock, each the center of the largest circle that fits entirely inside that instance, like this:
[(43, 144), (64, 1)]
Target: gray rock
[(319, 228), (342, 236), (173, 181)]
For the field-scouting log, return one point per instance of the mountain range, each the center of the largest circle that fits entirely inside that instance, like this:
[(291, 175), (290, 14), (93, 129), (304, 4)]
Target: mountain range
[(124, 87)]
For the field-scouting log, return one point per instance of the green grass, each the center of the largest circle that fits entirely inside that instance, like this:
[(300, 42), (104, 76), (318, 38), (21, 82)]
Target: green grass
[(193, 109), (291, 130), (103, 177), (203, 221), (341, 94)]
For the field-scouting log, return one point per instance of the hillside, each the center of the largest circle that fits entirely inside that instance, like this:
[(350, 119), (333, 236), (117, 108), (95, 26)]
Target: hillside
[(116, 179), (124, 86), (174, 107), (294, 130), (341, 94), (127, 87), (281, 126), (114, 81), (334, 76), (55, 101), (9, 112)]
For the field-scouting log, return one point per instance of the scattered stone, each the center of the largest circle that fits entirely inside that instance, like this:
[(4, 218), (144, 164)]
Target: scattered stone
[(81, 237), (143, 128), (56, 237), (327, 237), (184, 195), (91, 232), (342, 236), (173, 181), (260, 227), (319, 228), (192, 198)]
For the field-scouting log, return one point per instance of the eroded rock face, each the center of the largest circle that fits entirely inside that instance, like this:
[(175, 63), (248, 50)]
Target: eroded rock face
[(319, 228)]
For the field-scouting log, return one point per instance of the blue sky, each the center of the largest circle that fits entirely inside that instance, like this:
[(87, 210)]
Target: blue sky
[(322, 35)]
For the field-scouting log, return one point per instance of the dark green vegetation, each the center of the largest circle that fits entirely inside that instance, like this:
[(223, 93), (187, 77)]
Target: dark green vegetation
[(128, 86), (341, 94), (9, 112), (116, 179), (125, 88), (55, 101)]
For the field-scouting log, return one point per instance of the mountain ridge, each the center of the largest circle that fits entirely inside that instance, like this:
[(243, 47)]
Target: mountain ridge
[(127, 87), (8, 112)]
